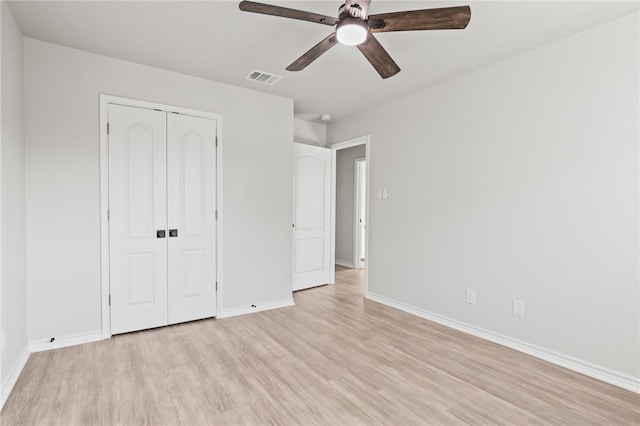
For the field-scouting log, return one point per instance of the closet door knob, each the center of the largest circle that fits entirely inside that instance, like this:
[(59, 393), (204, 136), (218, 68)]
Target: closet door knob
[(173, 232), (160, 233)]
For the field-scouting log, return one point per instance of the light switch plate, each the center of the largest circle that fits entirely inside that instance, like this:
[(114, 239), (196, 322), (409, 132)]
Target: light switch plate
[(471, 296), (518, 308)]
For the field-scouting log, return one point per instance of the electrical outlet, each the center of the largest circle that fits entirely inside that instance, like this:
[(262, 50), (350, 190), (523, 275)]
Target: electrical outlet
[(471, 296), (518, 308)]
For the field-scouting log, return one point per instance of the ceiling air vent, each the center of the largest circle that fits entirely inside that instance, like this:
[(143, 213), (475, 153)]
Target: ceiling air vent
[(263, 77)]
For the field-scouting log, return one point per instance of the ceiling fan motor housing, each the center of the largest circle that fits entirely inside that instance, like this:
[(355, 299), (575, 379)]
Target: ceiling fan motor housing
[(351, 29), (354, 10)]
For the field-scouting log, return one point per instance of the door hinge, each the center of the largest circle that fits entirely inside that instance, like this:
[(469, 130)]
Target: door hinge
[(216, 285), (107, 128), (108, 214), (216, 141), (216, 214), (109, 300)]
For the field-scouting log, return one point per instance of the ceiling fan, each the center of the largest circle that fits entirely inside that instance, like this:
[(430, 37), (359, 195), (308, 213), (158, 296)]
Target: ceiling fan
[(354, 27)]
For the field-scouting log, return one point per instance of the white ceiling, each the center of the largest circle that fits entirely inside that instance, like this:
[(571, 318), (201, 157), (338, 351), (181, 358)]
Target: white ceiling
[(216, 41)]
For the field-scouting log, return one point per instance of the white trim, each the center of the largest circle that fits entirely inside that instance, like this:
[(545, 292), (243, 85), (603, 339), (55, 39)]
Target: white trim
[(104, 223), (276, 304), (2, 398), (344, 263), (332, 231), (219, 279), (583, 367), (356, 207), (361, 140), (105, 100), (65, 341), (13, 375)]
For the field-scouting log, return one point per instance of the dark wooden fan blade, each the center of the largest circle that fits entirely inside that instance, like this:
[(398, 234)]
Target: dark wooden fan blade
[(285, 12), (446, 18), (313, 53), (378, 57)]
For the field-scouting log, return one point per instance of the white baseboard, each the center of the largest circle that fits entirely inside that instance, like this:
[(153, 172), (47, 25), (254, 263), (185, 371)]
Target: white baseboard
[(232, 312), (583, 367), (64, 341), (12, 376), (345, 263)]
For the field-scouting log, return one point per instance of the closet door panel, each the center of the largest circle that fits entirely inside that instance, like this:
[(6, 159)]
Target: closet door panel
[(137, 208), (191, 177)]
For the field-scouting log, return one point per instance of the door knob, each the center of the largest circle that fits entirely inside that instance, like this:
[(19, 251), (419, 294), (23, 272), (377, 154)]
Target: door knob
[(173, 232), (160, 233)]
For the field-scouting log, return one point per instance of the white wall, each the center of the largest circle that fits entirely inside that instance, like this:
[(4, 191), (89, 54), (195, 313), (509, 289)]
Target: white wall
[(309, 133), (12, 200), (345, 185), (62, 88), (519, 180)]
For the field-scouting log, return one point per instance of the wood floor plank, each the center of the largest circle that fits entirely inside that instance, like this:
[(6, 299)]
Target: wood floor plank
[(333, 359)]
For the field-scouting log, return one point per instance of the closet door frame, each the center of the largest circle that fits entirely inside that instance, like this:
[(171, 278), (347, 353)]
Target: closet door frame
[(105, 101)]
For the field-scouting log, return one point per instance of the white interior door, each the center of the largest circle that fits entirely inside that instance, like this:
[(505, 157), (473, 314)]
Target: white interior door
[(191, 171), (162, 224), (311, 216), (137, 210)]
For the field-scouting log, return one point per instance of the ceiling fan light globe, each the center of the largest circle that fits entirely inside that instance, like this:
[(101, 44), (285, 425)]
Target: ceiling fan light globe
[(351, 33)]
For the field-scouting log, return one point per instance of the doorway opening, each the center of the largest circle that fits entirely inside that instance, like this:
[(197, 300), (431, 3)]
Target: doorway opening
[(349, 251)]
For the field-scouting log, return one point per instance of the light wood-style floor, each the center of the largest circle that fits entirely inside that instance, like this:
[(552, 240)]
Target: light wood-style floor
[(334, 358)]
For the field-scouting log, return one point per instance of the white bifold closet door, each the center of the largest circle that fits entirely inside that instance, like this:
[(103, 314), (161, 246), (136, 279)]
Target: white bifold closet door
[(162, 231)]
